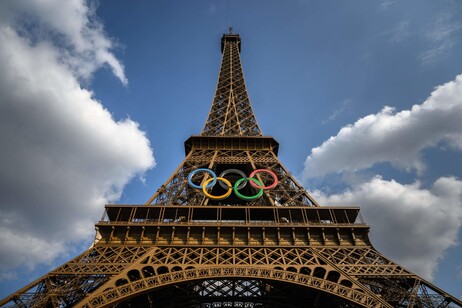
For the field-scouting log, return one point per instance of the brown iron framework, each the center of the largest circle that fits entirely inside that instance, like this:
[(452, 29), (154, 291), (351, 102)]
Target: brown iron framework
[(183, 249)]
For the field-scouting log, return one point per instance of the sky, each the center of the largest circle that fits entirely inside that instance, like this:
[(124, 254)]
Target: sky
[(97, 98)]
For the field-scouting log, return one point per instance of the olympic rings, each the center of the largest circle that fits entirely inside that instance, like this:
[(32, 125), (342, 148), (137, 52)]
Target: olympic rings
[(238, 185), (275, 178)]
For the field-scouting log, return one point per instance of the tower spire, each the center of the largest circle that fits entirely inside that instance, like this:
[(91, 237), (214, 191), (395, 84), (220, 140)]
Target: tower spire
[(231, 113)]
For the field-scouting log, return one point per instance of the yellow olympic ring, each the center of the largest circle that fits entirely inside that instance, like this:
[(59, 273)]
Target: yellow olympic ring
[(224, 196)]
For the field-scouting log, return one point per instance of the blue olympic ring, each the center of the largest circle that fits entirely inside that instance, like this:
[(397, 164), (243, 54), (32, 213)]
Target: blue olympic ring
[(202, 170)]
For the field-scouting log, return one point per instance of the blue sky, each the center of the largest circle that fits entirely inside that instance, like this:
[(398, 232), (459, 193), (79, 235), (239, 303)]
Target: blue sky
[(363, 96)]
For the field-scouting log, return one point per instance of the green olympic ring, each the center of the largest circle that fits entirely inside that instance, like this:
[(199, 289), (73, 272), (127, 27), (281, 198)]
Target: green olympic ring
[(243, 197)]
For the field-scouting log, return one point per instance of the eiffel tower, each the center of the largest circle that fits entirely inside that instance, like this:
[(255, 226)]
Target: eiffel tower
[(231, 227)]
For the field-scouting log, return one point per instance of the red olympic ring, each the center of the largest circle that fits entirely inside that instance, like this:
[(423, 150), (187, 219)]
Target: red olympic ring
[(275, 178)]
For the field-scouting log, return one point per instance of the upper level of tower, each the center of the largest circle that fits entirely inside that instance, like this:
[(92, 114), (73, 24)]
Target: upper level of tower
[(231, 113), (230, 38)]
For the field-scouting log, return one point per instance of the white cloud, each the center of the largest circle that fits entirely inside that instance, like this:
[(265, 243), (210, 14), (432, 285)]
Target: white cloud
[(399, 32), (392, 137), (411, 225), (62, 154), (334, 115), (441, 35), (73, 28), (386, 4), (440, 48)]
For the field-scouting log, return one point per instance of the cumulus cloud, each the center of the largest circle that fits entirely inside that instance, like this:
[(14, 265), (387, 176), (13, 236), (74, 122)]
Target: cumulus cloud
[(63, 155), (71, 26), (393, 137), (411, 225)]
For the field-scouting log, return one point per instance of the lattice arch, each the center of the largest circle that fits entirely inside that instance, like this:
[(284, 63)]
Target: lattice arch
[(142, 284)]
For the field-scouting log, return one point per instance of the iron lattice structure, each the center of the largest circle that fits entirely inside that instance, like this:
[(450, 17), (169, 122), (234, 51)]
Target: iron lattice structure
[(185, 249)]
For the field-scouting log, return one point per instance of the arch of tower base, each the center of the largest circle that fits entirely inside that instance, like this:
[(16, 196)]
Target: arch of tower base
[(231, 286)]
